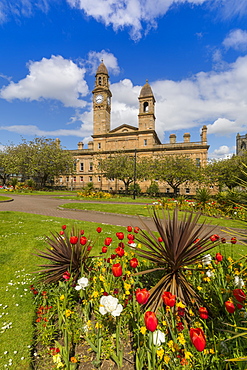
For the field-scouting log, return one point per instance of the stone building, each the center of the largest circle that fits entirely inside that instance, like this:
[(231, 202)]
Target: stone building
[(241, 144), (142, 140)]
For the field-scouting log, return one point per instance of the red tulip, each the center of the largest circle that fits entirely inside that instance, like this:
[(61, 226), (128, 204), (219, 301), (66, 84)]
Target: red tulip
[(104, 249), (169, 299), (198, 339), (82, 232), (108, 241), (99, 229), (203, 312), (134, 263), (229, 306), (66, 275), (136, 229), (61, 232), (239, 295), (160, 239), (129, 229), (83, 240), (73, 239), (117, 270), (64, 227), (233, 240), (131, 236), (151, 321), (142, 295), (214, 237), (120, 235), (223, 240), (89, 248), (120, 251), (219, 257)]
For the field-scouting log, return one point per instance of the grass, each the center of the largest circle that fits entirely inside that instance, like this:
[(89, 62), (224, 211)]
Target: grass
[(3, 198), (136, 209)]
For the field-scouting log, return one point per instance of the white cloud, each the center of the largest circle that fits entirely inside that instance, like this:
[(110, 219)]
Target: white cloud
[(19, 8), (223, 127), (236, 39), (230, 8), (128, 13), (32, 130), (110, 61), (224, 152), (54, 78)]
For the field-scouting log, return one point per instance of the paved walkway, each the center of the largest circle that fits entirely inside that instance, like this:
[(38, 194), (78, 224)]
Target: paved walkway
[(49, 206)]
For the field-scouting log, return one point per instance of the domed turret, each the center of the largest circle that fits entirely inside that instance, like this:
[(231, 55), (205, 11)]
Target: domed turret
[(102, 69), (146, 91)]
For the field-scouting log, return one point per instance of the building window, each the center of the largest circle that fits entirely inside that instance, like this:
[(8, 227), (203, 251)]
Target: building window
[(168, 190), (99, 81), (91, 166), (145, 107), (211, 187), (198, 162), (74, 178), (67, 178), (187, 190), (99, 178), (82, 166), (90, 178), (75, 166), (60, 179), (81, 178), (145, 142), (99, 145)]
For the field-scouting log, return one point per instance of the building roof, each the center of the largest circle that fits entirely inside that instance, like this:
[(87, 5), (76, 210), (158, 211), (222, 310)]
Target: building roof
[(102, 69), (146, 91)]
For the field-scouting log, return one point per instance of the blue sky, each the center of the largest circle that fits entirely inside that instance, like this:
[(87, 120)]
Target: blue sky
[(193, 53)]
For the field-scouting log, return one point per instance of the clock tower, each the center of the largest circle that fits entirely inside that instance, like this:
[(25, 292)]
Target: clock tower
[(101, 102)]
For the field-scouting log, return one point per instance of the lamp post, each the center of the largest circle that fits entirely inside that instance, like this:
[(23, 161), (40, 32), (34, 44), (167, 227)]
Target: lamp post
[(134, 192)]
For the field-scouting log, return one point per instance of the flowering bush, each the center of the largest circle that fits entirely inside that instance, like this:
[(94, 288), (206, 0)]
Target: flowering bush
[(104, 309)]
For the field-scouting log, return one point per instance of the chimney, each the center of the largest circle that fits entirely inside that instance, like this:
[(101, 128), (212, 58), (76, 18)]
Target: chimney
[(172, 138), (80, 145), (186, 137), (204, 135), (58, 142)]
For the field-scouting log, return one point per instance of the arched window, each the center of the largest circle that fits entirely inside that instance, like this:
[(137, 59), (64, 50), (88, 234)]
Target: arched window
[(145, 107), (99, 81), (243, 145)]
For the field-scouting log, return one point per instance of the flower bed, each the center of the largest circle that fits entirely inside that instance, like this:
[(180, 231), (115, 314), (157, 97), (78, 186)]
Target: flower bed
[(115, 310)]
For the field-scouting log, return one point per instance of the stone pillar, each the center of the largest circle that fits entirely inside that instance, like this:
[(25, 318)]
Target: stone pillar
[(204, 135), (80, 145)]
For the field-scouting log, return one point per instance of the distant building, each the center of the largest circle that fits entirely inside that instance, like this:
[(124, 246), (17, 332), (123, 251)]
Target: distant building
[(142, 139), (241, 144)]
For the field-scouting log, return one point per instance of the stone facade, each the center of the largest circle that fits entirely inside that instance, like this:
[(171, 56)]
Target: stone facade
[(241, 144), (141, 140)]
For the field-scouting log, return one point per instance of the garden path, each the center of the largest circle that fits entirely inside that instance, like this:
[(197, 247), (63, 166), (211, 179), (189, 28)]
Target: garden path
[(49, 206)]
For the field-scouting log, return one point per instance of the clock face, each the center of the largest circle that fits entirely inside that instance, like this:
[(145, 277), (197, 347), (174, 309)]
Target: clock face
[(99, 99)]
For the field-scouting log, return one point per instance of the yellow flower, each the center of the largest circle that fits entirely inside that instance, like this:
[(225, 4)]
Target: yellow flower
[(89, 323), (128, 273), (206, 351), (62, 297), (95, 294), (191, 313), (160, 352), (187, 355), (206, 279), (73, 360), (68, 313), (180, 304), (181, 339), (166, 359), (102, 278), (164, 323), (127, 287), (199, 266), (139, 245), (98, 325), (143, 330), (212, 350), (199, 288), (103, 270), (230, 259), (94, 279)]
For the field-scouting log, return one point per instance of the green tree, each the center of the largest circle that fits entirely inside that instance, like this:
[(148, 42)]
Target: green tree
[(124, 167), (175, 170), (41, 160), (5, 167)]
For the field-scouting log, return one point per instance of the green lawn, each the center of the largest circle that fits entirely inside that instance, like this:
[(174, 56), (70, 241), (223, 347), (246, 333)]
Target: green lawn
[(4, 198), (144, 210)]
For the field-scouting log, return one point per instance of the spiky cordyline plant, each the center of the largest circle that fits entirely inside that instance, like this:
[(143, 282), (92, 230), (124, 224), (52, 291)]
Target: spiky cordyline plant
[(63, 256), (177, 252)]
